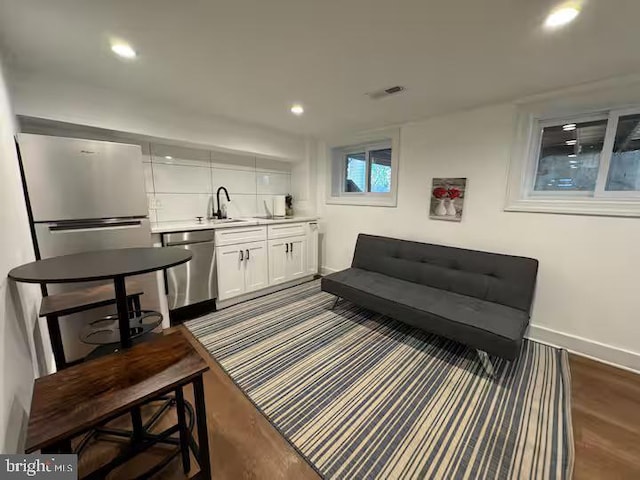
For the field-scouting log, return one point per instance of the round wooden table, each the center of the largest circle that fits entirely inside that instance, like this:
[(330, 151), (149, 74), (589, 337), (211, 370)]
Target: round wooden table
[(116, 265)]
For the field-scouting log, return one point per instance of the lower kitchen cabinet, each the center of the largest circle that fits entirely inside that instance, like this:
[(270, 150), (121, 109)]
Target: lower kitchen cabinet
[(256, 275), (241, 268), (287, 259)]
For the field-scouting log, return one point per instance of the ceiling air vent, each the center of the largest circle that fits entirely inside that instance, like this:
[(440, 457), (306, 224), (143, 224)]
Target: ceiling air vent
[(385, 93)]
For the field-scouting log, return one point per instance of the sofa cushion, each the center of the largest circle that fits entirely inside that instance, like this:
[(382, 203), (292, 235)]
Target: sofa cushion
[(493, 277), (488, 326)]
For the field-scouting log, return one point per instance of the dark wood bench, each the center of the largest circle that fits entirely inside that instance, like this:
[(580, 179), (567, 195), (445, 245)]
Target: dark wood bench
[(85, 396)]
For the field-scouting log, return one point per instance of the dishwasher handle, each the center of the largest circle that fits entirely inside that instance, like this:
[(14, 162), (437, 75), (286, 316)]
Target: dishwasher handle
[(186, 242)]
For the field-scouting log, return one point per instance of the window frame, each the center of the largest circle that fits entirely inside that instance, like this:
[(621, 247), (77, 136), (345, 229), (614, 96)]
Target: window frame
[(337, 170), (521, 193)]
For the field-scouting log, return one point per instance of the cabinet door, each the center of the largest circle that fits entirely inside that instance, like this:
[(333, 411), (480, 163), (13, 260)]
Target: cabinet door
[(296, 258), (256, 274), (312, 248), (278, 261), (230, 269)]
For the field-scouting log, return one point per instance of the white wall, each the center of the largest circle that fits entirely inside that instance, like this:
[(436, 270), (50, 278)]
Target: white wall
[(64, 100), (22, 355), (587, 291), (67, 100)]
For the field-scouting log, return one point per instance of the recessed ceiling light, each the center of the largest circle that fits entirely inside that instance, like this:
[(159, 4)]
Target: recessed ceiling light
[(168, 157), (297, 109), (571, 142), (562, 15), (123, 50), (572, 155), (568, 127)]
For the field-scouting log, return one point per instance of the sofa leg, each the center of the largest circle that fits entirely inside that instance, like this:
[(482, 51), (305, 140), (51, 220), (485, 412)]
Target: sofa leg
[(335, 304), (486, 363)]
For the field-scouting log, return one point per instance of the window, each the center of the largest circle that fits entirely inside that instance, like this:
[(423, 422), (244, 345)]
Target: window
[(569, 158), (368, 171), (380, 170), (364, 174), (624, 170), (588, 164), (356, 177)]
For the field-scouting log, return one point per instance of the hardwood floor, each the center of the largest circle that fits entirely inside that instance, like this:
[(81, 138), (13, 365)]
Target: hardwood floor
[(606, 420), (244, 445)]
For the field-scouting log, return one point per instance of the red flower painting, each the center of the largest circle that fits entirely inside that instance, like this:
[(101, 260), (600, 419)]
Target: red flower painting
[(454, 193), (447, 199), (440, 192)]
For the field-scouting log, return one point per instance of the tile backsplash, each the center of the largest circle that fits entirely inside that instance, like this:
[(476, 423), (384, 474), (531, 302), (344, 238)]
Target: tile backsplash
[(181, 183)]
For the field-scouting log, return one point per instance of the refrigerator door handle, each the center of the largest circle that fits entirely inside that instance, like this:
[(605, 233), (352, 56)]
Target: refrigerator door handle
[(90, 226)]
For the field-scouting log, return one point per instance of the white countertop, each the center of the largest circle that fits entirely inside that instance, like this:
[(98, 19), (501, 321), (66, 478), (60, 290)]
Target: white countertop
[(182, 226)]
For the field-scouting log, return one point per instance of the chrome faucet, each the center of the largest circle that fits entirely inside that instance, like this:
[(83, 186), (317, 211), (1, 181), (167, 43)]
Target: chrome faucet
[(218, 213)]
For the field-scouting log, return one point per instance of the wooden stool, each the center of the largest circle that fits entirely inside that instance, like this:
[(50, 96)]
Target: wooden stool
[(82, 397), (61, 304)]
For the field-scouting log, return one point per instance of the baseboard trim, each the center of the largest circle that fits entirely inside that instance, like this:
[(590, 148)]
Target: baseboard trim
[(600, 352), (327, 270)]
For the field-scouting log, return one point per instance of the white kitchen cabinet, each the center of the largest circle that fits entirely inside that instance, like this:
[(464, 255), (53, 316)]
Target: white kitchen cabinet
[(287, 259), (241, 269), (278, 261), (297, 259), (285, 230), (230, 271), (256, 275), (235, 235), (312, 248)]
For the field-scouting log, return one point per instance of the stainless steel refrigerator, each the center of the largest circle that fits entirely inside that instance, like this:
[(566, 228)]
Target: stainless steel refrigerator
[(85, 195)]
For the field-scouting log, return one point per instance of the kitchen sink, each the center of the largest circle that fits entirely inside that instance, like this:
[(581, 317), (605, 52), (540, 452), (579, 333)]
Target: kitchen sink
[(229, 220)]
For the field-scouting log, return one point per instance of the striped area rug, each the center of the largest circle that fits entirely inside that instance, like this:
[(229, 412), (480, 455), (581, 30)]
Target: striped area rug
[(362, 396)]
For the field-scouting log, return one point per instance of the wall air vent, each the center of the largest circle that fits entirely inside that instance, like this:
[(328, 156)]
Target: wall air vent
[(386, 92)]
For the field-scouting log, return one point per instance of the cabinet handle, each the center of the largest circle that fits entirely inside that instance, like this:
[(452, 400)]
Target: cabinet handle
[(241, 255), (287, 250), (247, 254), (291, 247)]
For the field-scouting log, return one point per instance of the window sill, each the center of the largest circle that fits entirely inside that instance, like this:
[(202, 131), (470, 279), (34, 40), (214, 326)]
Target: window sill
[(607, 208), (363, 201)]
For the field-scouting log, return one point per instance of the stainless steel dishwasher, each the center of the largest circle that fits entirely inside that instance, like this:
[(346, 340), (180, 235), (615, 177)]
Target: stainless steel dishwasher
[(194, 281)]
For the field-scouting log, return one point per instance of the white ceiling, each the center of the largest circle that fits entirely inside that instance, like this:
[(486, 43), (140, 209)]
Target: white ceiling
[(250, 59)]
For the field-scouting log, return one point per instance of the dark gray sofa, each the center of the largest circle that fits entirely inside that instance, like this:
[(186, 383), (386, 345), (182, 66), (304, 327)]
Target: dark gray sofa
[(480, 299)]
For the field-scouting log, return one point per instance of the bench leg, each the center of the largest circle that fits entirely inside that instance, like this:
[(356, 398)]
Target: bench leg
[(184, 430), (203, 433), (486, 363), (335, 304)]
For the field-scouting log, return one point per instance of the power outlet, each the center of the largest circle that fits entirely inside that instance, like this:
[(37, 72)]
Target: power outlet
[(154, 204)]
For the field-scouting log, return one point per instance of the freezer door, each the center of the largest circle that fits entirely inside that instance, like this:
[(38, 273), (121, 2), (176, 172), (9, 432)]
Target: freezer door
[(69, 178), (63, 238)]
